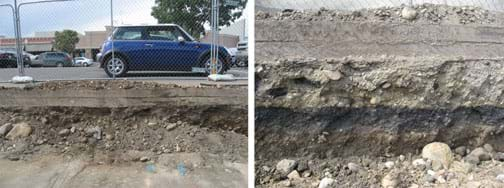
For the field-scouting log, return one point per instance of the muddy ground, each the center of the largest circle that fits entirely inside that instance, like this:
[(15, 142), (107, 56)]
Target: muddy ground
[(337, 118), (136, 146)]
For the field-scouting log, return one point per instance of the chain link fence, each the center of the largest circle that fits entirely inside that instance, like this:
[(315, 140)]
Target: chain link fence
[(97, 39), (272, 5)]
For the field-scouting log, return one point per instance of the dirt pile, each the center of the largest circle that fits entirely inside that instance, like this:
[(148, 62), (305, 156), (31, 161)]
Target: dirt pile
[(424, 13), (75, 131)]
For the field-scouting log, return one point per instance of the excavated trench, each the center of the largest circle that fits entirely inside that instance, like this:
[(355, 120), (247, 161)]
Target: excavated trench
[(119, 129), (351, 98), (376, 106)]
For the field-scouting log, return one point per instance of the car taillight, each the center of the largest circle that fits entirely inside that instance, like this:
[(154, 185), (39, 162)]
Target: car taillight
[(67, 58)]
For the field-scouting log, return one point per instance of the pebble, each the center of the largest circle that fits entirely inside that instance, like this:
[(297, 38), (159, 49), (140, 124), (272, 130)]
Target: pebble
[(391, 180), (389, 164), (4, 129), (409, 13), (461, 151), (64, 132), (472, 159), (286, 166), (302, 166), (19, 130), (481, 153), (286, 183), (500, 178), (333, 75), (419, 163), (171, 126), (386, 85), (144, 159), (294, 175), (353, 167), (499, 157), (326, 183), (402, 157)]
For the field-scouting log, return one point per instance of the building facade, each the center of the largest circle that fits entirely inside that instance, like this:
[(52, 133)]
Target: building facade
[(89, 44)]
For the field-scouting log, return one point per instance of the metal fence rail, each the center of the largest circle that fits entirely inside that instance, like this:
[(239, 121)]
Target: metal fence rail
[(93, 39)]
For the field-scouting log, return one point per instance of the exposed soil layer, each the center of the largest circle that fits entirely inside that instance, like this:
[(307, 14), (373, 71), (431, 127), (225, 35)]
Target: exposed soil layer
[(123, 134), (344, 109), (381, 131), (160, 130)]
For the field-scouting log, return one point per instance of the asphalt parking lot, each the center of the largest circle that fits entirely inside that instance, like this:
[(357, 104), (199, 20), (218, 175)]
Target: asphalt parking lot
[(96, 73)]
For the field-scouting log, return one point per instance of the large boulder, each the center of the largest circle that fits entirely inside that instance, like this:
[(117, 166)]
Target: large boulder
[(439, 153), (19, 130)]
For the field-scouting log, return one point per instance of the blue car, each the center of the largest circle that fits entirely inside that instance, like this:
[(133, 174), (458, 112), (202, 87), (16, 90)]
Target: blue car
[(164, 47)]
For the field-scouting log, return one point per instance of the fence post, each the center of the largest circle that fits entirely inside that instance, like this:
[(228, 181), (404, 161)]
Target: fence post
[(112, 37), (19, 51), (215, 37)]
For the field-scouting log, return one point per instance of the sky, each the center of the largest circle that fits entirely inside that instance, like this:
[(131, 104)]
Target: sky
[(79, 15)]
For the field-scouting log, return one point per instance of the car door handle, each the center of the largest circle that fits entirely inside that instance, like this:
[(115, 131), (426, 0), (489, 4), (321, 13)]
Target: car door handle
[(149, 45)]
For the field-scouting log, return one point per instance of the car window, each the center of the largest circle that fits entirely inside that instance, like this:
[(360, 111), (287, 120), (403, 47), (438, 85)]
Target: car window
[(128, 33), (169, 33), (51, 55)]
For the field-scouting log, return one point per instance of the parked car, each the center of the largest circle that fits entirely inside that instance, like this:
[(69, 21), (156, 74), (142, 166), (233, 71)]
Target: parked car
[(53, 59), (82, 61), (165, 47), (9, 60), (242, 54), (232, 53)]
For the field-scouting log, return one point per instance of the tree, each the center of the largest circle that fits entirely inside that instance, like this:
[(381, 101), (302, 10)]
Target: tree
[(193, 14), (66, 40)]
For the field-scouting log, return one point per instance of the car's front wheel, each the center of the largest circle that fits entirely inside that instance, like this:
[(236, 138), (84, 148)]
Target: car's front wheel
[(116, 66)]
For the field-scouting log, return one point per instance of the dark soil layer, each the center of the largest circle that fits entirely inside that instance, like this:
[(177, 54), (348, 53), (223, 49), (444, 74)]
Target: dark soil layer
[(380, 131)]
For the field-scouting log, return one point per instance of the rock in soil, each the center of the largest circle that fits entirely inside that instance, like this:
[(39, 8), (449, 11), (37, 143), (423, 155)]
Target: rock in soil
[(439, 153), (4, 129), (286, 166), (19, 130)]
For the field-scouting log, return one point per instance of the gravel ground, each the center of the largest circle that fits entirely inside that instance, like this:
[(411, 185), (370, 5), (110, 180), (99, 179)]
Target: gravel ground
[(419, 14)]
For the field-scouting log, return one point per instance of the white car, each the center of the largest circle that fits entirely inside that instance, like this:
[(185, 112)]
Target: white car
[(82, 61)]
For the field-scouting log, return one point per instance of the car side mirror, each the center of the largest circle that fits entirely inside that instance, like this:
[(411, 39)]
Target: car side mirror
[(181, 39)]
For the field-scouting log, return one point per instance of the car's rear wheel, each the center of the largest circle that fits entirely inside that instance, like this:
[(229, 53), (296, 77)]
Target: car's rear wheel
[(207, 63), (116, 66), (11, 65)]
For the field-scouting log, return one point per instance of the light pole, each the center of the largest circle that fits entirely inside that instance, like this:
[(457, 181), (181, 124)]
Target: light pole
[(21, 78)]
